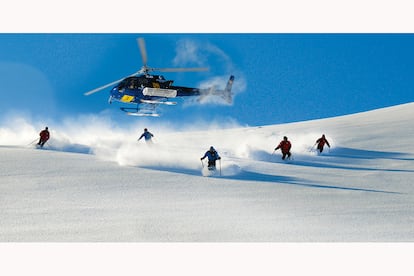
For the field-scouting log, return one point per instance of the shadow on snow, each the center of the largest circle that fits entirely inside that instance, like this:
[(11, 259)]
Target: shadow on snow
[(368, 154), (254, 176), (322, 161), (266, 178), (72, 148), (343, 167)]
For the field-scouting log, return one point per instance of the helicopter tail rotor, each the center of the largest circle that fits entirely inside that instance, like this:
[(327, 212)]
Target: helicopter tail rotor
[(227, 95)]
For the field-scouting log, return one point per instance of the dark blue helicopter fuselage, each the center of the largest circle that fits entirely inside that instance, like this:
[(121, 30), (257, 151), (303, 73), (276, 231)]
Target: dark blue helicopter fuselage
[(149, 88)]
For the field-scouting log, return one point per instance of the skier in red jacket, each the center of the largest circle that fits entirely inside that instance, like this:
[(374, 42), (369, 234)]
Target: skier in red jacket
[(321, 143), (44, 136), (284, 146)]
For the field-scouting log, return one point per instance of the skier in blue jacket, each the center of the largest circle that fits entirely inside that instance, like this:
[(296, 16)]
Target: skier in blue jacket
[(146, 135), (212, 156)]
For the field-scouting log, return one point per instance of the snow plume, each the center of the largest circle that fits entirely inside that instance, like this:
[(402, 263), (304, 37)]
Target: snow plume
[(190, 52), (175, 147), (212, 88), (17, 131)]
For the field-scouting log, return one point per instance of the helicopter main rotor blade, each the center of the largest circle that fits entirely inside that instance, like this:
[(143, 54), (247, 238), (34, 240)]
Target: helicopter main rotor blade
[(194, 69), (141, 45), (145, 69), (107, 85)]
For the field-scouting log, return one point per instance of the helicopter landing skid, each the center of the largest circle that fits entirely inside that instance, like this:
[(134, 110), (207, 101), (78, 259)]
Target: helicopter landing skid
[(158, 102), (138, 112), (143, 114)]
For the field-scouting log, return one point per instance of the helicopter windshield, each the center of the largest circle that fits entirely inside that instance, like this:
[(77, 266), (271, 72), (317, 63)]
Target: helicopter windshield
[(138, 82), (131, 83)]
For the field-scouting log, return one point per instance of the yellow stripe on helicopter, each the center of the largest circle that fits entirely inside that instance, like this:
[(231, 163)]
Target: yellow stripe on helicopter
[(127, 98)]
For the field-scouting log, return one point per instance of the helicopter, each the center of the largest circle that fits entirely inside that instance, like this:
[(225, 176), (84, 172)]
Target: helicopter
[(148, 91)]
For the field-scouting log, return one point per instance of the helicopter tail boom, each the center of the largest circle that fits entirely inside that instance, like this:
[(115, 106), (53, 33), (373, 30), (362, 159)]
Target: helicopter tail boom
[(225, 94)]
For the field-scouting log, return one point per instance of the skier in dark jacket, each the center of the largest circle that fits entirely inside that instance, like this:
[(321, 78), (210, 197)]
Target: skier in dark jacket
[(212, 156), (146, 135), (44, 136), (284, 146), (321, 143)]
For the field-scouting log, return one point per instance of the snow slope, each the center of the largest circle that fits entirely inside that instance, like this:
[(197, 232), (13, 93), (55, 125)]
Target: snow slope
[(112, 189)]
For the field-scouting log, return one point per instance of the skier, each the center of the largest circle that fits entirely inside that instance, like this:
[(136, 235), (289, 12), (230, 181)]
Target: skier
[(284, 146), (147, 136), (44, 136), (321, 143), (212, 156)]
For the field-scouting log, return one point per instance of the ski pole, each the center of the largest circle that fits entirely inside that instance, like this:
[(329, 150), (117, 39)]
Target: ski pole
[(202, 164), (32, 142), (220, 166)]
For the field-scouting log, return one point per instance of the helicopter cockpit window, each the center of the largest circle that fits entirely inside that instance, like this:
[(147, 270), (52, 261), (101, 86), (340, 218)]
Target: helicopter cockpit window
[(122, 85), (133, 84)]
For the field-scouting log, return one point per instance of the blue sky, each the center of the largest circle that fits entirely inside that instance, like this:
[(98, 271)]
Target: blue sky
[(280, 77)]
